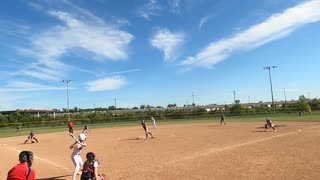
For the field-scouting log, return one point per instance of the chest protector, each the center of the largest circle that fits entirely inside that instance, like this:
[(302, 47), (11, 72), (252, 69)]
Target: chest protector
[(88, 173)]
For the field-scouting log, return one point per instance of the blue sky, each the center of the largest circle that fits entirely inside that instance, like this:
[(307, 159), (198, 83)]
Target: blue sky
[(156, 52)]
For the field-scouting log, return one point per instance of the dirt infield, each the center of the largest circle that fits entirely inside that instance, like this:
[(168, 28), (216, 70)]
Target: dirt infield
[(239, 150)]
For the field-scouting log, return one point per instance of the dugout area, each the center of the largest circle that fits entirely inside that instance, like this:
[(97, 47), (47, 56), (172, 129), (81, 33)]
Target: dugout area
[(239, 150)]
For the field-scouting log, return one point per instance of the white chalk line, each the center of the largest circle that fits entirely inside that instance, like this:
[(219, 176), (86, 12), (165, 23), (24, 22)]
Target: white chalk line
[(45, 160), (216, 150)]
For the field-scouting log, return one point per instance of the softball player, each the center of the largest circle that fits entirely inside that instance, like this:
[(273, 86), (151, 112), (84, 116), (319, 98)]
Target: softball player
[(270, 124), (31, 137), (75, 156), (222, 117), (144, 125), (154, 122), (70, 126)]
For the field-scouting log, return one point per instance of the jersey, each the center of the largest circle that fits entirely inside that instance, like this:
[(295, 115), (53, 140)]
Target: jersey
[(269, 122), (143, 124), (88, 173), (77, 149), (21, 172)]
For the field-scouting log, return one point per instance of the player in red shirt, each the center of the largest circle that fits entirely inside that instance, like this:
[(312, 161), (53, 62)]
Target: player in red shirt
[(23, 171), (70, 125)]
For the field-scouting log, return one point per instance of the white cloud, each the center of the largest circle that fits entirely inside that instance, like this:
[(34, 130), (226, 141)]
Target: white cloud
[(203, 21), (40, 75), (274, 28), (123, 22), (168, 42), (122, 72), (175, 6), (102, 41), (107, 84), (20, 86), (35, 6), (153, 8)]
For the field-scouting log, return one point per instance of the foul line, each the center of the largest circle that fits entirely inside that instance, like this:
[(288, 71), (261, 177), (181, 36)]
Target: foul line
[(216, 150), (47, 161)]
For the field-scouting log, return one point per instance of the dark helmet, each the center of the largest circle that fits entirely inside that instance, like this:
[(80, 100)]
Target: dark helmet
[(90, 156), (26, 156)]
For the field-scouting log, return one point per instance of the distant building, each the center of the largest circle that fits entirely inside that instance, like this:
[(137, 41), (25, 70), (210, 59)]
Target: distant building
[(29, 111)]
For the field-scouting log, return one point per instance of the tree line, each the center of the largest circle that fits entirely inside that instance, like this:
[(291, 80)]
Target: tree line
[(112, 114)]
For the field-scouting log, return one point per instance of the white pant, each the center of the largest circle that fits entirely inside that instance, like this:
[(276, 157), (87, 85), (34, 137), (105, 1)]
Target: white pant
[(77, 162)]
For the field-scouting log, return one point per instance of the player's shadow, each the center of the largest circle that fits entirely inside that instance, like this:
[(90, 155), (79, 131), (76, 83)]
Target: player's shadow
[(131, 139), (258, 131), (218, 125), (281, 125), (26, 143), (55, 178), (264, 130), (262, 127)]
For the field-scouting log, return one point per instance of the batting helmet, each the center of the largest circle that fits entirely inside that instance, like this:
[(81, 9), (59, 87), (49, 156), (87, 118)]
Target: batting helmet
[(26, 156), (82, 137), (90, 156)]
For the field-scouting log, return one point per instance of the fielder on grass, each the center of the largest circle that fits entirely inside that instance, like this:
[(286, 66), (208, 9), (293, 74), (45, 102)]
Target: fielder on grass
[(222, 117)]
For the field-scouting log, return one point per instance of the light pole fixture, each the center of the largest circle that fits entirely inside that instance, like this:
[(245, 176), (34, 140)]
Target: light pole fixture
[(269, 68), (67, 82)]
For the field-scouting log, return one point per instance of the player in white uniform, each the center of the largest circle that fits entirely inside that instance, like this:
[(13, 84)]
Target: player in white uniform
[(75, 156), (146, 131), (154, 122)]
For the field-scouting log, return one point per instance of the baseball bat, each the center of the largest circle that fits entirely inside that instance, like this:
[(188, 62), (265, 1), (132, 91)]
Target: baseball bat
[(74, 137)]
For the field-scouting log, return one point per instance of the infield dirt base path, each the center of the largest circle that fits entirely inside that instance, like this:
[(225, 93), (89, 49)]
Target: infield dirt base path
[(239, 150)]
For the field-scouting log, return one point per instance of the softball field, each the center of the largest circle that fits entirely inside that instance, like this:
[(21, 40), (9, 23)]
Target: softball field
[(239, 150)]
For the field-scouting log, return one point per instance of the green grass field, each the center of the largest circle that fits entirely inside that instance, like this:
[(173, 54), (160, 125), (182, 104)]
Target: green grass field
[(24, 131)]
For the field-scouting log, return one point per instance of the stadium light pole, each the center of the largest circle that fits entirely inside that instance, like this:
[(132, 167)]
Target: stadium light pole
[(193, 99), (67, 82), (269, 68), (234, 96), (285, 96)]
